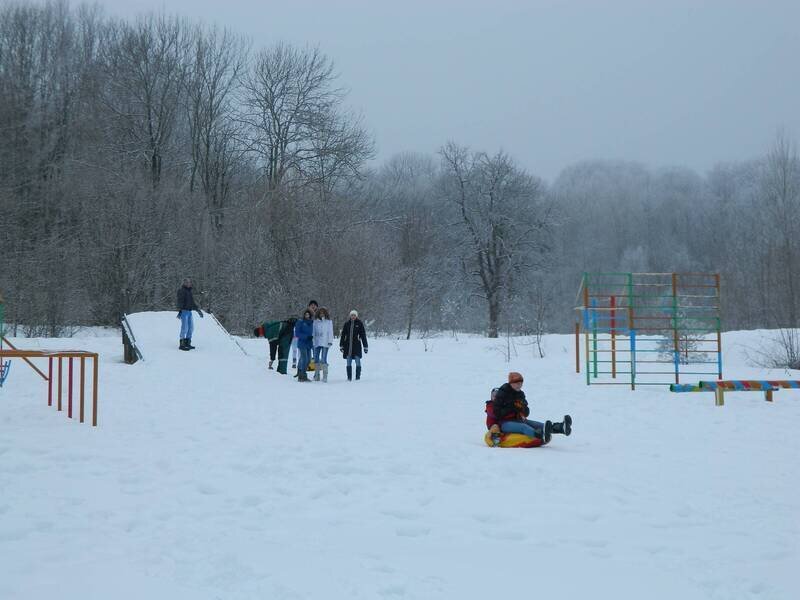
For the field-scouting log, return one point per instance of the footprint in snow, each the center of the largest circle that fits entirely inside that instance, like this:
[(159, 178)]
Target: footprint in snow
[(590, 517), (207, 489), (453, 481), (506, 536), (393, 590), (413, 531), (399, 513)]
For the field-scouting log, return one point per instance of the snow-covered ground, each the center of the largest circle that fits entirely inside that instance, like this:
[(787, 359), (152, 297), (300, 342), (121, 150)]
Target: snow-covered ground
[(210, 477)]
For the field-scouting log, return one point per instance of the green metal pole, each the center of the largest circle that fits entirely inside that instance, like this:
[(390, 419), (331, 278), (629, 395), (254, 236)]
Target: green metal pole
[(594, 339), (586, 324)]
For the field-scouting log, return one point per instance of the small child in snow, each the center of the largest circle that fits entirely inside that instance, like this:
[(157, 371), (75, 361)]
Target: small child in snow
[(508, 412)]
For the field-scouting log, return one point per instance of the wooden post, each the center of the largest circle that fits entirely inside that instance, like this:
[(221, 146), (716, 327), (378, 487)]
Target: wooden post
[(59, 383), (768, 395), (577, 347), (94, 390), (83, 379), (719, 396), (613, 304), (69, 388)]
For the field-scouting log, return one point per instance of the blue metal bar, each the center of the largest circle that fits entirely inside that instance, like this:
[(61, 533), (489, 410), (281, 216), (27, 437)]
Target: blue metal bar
[(633, 359)]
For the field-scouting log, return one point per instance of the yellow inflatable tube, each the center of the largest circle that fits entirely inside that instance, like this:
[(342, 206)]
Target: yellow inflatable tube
[(514, 440)]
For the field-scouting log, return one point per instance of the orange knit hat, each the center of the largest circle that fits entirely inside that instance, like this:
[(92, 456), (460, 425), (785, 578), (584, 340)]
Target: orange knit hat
[(514, 377)]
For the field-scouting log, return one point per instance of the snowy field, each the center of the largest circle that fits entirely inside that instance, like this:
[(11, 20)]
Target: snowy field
[(210, 477)]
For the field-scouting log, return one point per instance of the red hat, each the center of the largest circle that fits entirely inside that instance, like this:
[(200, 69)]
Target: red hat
[(514, 377)]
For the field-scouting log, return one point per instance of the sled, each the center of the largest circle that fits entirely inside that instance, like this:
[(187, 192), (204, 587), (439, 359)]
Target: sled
[(514, 440)]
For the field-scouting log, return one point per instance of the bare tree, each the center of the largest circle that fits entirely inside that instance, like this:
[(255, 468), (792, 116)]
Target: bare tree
[(505, 217), (295, 121), (146, 67), (781, 201), (218, 61)]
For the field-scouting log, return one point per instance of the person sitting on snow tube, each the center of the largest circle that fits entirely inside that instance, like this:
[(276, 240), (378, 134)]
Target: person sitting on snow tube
[(508, 410)]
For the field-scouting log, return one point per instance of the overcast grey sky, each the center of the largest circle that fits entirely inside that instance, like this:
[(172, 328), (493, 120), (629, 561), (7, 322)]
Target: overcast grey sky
[(674, 82)]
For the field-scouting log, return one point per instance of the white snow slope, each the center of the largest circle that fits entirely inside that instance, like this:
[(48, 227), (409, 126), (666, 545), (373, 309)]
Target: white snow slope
[(210, 477)]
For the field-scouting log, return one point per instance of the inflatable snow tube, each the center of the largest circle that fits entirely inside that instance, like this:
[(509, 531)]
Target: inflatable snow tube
[(514, 440)]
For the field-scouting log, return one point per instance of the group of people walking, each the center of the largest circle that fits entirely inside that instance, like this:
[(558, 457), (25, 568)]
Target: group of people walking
[(310, 339)]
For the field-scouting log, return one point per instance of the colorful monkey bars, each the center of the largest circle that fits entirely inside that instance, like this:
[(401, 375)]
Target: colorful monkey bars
[(651, 328)]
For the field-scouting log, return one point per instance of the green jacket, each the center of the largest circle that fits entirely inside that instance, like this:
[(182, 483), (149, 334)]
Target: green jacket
[(272, 330)]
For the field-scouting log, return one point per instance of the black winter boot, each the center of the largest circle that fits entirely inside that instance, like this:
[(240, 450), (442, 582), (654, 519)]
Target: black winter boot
[(349, 373), (183, 344), (547, 434), (189, 344), (565, 427), (358, 373)]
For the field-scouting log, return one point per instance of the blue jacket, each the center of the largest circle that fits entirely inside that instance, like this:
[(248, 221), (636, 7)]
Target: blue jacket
[(304, 332)]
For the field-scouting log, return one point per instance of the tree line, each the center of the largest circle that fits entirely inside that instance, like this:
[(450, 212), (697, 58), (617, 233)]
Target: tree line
[(136, 153)]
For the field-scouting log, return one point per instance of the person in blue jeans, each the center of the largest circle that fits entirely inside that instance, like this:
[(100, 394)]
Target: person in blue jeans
[(304, 332), (352, 341), (323, 339), (186, 305), (510, 413)]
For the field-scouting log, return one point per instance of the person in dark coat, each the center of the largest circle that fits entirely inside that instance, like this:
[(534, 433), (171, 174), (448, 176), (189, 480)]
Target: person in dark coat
[(186, 305), (304, 332), (508, 412), (351, 342)]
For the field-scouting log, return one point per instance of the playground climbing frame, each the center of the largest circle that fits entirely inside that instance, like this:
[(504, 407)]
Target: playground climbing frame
[(648, 328)]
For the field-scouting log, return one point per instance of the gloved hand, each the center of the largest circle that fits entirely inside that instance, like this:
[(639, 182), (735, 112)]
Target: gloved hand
[(200, 312), (366, 349), (179, 315)]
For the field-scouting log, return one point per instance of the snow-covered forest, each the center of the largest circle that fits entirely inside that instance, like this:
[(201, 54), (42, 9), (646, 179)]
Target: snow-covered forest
[(135, 153)]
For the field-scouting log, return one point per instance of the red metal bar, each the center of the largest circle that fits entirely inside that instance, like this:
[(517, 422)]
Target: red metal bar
[(83, 373), (613, 338), (94, 391), (59, 383), (50, 382), (69, 389), (577, 347)]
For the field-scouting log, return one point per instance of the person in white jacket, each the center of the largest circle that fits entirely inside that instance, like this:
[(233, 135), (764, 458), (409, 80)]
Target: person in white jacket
[(323, 339)]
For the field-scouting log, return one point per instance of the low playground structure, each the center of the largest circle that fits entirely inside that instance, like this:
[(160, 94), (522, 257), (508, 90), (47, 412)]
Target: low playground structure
[(768, 386), (57, 361), (648, 328)]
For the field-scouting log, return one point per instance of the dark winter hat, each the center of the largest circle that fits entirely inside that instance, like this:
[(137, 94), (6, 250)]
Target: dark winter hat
[(314, 302), (514, 377)]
